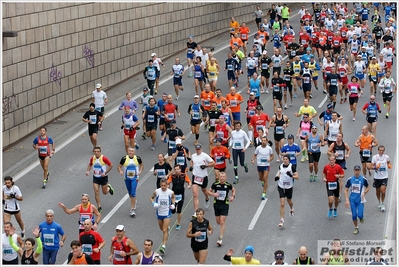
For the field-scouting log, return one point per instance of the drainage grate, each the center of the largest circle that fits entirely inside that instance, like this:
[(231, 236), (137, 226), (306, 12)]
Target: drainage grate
[(60, 122)]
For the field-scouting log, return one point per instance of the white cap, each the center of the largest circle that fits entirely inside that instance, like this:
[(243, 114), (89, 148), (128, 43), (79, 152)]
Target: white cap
[(153, 54), (196, 96), (178, 141), (252, 93), (264, 52), (120, 227), (98, 85)]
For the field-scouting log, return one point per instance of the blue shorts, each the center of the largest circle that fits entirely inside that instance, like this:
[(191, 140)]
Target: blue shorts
[(381, 74), (360, 77), (177, 81), (315, 78), (164, 217), (251, 72), (158, 73), (190, 56), (239, 66), (236, 116), (263, 168), (131, 186), (298, 78), (231, 75)]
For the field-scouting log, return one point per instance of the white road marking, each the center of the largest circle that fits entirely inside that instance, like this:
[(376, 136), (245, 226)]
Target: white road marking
[(257, 214), (323, 101), (391, 204)]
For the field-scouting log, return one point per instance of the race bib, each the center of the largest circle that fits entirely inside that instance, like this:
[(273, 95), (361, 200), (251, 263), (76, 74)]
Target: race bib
[(180, 161), (233, 103), (172, 144), (93, 119), (332, 185), (161, 173), (366, 153), (237, 144), (314, 146), (221, 196), (356, 188), (150, 118), (197, 74), (87, 248), (48, 240), (198, 180), (171, 116), (178, 197), (279, 130), (201, 238), (207, 103), (43, 149)]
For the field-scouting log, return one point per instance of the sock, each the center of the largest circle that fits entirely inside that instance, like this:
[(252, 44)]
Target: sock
[(334, 104), (196, 136), (250, 134), (235, 171)]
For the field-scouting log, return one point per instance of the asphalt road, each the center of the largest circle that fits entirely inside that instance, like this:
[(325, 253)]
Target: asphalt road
[(250, 221)]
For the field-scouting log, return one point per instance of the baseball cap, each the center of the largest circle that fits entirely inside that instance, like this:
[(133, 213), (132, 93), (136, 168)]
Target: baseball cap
[(252, 93), (164, 93), (264, 52), (127, 107), (250, 249), (373, 58), (191, 37), (329, 106), (219, 139), (290, 136), (120, 227), (259, 108), (309, 49), (173, 121), (145, 89), (178, 141), (196, 96), (314, 126), (311, 56), (98, 85), (198, 146), (279, 255), (153, 54), (357, 167), (364, 46)]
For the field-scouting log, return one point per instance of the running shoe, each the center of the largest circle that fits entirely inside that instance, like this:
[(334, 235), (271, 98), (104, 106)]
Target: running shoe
[(156, 92), (245, 167), (219, 242), (278, 158), (300, 88), (387, 115), (44, 183), (353, 118), (23, 235), (194, 215), (165, 140), (361, 220), (315, 178), (162, 249), (342, 101), (152, 147), (205, 127), (111, 189), (303, 159), (356, 231), (345, 100), (132, 213), (324, 92), (48, 175), (317, 88), (251, 143), (178, 227), (292, 213), (101, 128), (100, 210), (379, 205), (335, 213), (385, 105), (136, 145), (207, 203), (281, 224), (162, 133), (306, 158), (236, 180), (190, 75), (382, 207), (263, 183), (311, 178), (143, 136), (310, 96), (267, 91), (330, 211), (295, 95), (177, 97), (369, 172), (285, 106), (263, 196)]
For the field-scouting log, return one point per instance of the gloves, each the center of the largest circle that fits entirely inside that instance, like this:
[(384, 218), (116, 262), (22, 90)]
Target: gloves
[(379, 111), (188, 158), (203, 166), (4, 201), (223, 158), (12, 195), (230, 161), (122, 127), (172, 207), (155, 205), (276, 178), (190, 169), (289, 174), (137, 128)]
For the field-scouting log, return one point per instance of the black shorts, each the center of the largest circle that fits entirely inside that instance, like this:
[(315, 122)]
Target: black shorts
[(323, 47), (195, 122), (221, 209), (337, 50), (333, 91), (353, 100), (364, 159), (258, 20), (100, 181), (11, 262), (285, 192), (150, 126), (307, 88), (93, 130), (161, 121), (334, 192), (314, 156), (377, 183), (278, 137), (277, 69), (371, 120), (12, 212), (221, 170), (265, 73), (178, 206), (42, 157), (278, 96), (204, 182), (212, 129), (373, 81), (386, 97), (288, 85), (248, 120), (197, 246)]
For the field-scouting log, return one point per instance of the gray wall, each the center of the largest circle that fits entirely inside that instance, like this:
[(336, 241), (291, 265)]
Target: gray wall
[(63, 49)]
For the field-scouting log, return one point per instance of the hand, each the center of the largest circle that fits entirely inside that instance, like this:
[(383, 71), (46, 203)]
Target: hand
[(188, 158), (122, 127), (189, 186), (379, 111), (347, 204), (36, 231), (289, 174), (110, 258), (61, 243), (203, 166), (155, 205), (190, 169), (172, 207), (276, 178), (87, 173), (230, 161), (61, 205), (223, 158), (121, 173)]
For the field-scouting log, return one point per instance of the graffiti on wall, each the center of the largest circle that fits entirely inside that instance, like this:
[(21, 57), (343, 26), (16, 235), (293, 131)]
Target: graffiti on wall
[(9, 102), (89, 55), (55, 76)]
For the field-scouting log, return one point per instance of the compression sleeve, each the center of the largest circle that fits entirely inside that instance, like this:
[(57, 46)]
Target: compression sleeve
[(13, 245), (39, 245)]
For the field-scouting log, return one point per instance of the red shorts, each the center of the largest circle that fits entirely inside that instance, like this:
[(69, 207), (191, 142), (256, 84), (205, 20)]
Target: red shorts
[(389, 65), (130, 133), (344, 80)]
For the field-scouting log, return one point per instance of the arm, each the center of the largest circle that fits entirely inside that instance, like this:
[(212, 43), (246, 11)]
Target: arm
[(138, 257), (133, 249), (68, 211)]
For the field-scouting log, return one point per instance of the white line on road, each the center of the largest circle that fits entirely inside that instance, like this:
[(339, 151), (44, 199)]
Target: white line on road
[(323, 101), (257, 214), (391, 204)]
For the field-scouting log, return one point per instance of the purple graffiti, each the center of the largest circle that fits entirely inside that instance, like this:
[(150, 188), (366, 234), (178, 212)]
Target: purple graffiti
[(55, 75), (9, 102), (89, 54)]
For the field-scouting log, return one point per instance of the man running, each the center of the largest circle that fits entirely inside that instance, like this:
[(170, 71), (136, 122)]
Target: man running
[(42, 145), (333, 175), (381, 163)]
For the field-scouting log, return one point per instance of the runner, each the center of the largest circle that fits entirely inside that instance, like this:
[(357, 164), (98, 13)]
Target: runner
[(150, 74), (213, 70), (191, 46), (231, 66), (130, 167), (157, 63), (27, 253), (278, 84), (219, 153), (332, 128), (145, 101), (178, 178), (280, 122), (170, 111), (129, 126), (173, 134), (100, 175), (163, 200), (381, 163), (366, 141), (303, 258), (129, 102), (198, 75), (304, 129), (388, 86), (279, 258), (92, 242), (52, 236), (198, 230), (291, 150), (235, 100), (42, 144), (181, 154), (150, 116), (259, 120), (196, 111), (206, 100), (377, 259), (263, 155), (335, 256), (212, 118), (220, 191), (11, 197), (358, 186), (288, 75), (239, 142), (161, 169), (177, 73), (148, 255), (370, 109), (246, 260), (121, 248), (333, 175), (86, 211), (354, 94), (314, 142), (265, 65), (306, 108), (99, 99), (77, 256), (285, 177), (198, 164)]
